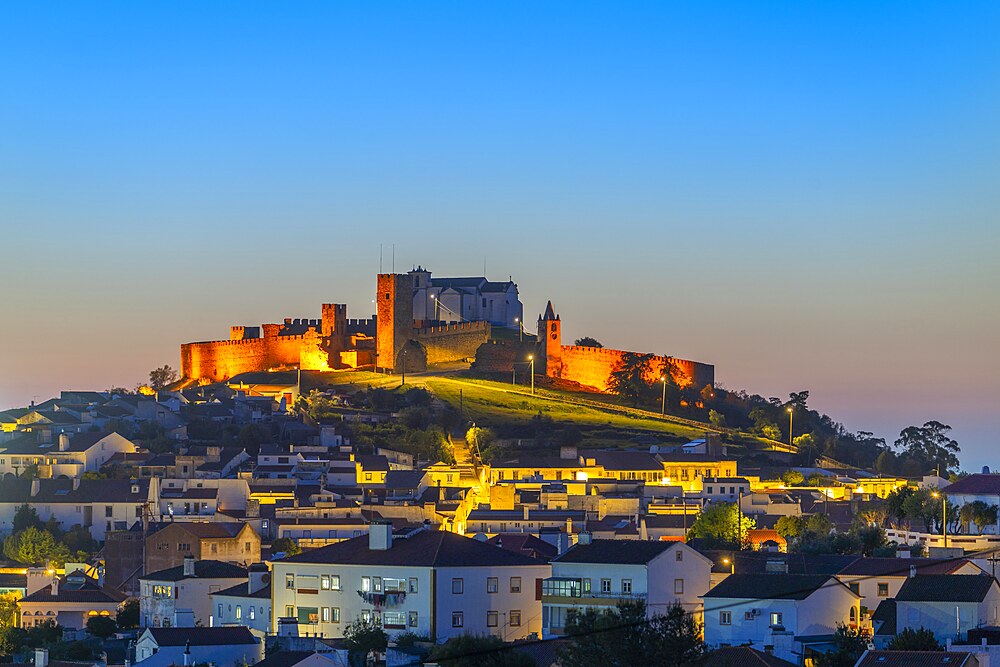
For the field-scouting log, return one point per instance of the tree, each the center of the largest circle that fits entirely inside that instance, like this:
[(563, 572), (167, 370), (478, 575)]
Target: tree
[(930, 446), (11, 640), (872, 538), (8, 610), (722, 524), (793, 478), (625, 637), (716, 418), (789, 526), (363, 638), (477, 651), (128, 614), (287, 545), (848, 644), (25, 517), (587, 341), (161, 377), (34, 546), (628, 379), (914, 640), (101, 626)]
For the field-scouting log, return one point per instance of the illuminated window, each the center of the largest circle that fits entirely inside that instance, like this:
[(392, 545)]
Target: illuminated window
[(492, 619), (492, 584), (515, 618), (515, 584)]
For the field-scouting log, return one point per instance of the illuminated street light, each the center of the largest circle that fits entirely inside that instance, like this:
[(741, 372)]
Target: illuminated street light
[(790, 414), (944, 516), (531, 358), (663, 401)]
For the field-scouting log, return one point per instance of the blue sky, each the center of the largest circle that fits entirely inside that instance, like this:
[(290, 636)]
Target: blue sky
[(803, 194)]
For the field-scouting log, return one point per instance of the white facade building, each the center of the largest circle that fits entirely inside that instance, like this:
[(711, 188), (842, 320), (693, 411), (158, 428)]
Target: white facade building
[(602, 572), (434, 583), (466, 300)]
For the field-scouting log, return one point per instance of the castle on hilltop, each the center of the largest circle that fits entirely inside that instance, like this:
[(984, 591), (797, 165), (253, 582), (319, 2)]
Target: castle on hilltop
[(419, 321)]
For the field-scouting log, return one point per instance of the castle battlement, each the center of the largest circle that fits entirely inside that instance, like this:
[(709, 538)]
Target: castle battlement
[(459, 326)]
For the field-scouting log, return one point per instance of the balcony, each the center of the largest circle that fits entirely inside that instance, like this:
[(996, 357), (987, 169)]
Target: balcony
[(567, 591)]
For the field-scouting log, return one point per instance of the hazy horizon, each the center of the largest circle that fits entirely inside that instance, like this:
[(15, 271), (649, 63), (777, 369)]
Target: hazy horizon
[(804, 196)]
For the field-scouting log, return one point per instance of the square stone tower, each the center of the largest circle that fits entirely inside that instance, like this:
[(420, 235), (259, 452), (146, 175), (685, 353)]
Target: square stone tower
[(550, 343), (394, 299)]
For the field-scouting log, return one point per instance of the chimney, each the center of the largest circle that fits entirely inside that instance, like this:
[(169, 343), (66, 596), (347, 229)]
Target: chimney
[(36, 486), (63, 442), (258, 577), (913, 571), (288, 626), (55, 594), (76, 483), (569, 525), (380, 535), (253, 509), (187, 653), (41, 657), (189, 566), (584, 537), (526, 510)]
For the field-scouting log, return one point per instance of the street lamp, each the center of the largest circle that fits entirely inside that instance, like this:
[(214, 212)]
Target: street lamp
[(663, 401), (531, 358), (520, 329), (944, 516), (731, 562), (790, 414)]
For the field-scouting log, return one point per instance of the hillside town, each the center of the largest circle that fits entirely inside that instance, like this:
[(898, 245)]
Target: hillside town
[(351, 513)]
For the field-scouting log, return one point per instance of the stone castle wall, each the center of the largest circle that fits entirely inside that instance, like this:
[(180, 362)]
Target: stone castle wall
[(221, 360), (592, 366), (453, 342)]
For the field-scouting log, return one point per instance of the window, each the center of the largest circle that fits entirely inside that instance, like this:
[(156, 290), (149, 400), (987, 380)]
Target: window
[(109, 511), (776, 618), (413, 585), (289, 611), (883, 589), (368, 477), (515, 618), (324, 582), (708, 489), (854, 615), (253, 615), (412, 619), (855, 587), (289, 581), (335, 614), (325, 614), (678, 555), (515, 584), (215, 548), (492, 619), (394, 619), (163, 591), (377, 584), (394, 585), (678, 586), (586, 586), (366, 584), (626, 585), (605, 585), (457, 588), (308, 615), (749, 616), (725, 618), (457, 619), (334, 582), (239, 612), (220, 610), (492, 584)]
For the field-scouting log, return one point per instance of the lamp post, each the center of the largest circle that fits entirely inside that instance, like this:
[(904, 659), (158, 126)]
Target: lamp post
[(663, 401), (790, 414), (531, 358), (520, 329), (944, 516), (731, 562), (403, 382)]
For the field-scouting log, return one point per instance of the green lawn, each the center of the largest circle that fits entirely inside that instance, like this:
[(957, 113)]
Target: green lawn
[(493, 403)]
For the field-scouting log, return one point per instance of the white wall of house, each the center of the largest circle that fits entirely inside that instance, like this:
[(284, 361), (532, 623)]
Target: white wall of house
[(299, 588), (254, 613), (158, 600), (949, 620)]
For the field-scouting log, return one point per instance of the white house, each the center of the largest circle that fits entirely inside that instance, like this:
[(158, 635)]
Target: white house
[(98, 504), (185, 587), (949, 605), (777, 612), (247, 604), (877, 579), (599, 573), (434, 583), (983, 487), (67, 455), (163, 647)]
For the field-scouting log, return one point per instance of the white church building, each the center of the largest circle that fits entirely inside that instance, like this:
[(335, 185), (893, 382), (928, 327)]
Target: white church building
[(465, 300)]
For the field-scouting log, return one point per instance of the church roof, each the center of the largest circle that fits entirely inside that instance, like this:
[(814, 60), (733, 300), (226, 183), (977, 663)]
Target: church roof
[(549, 313)]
